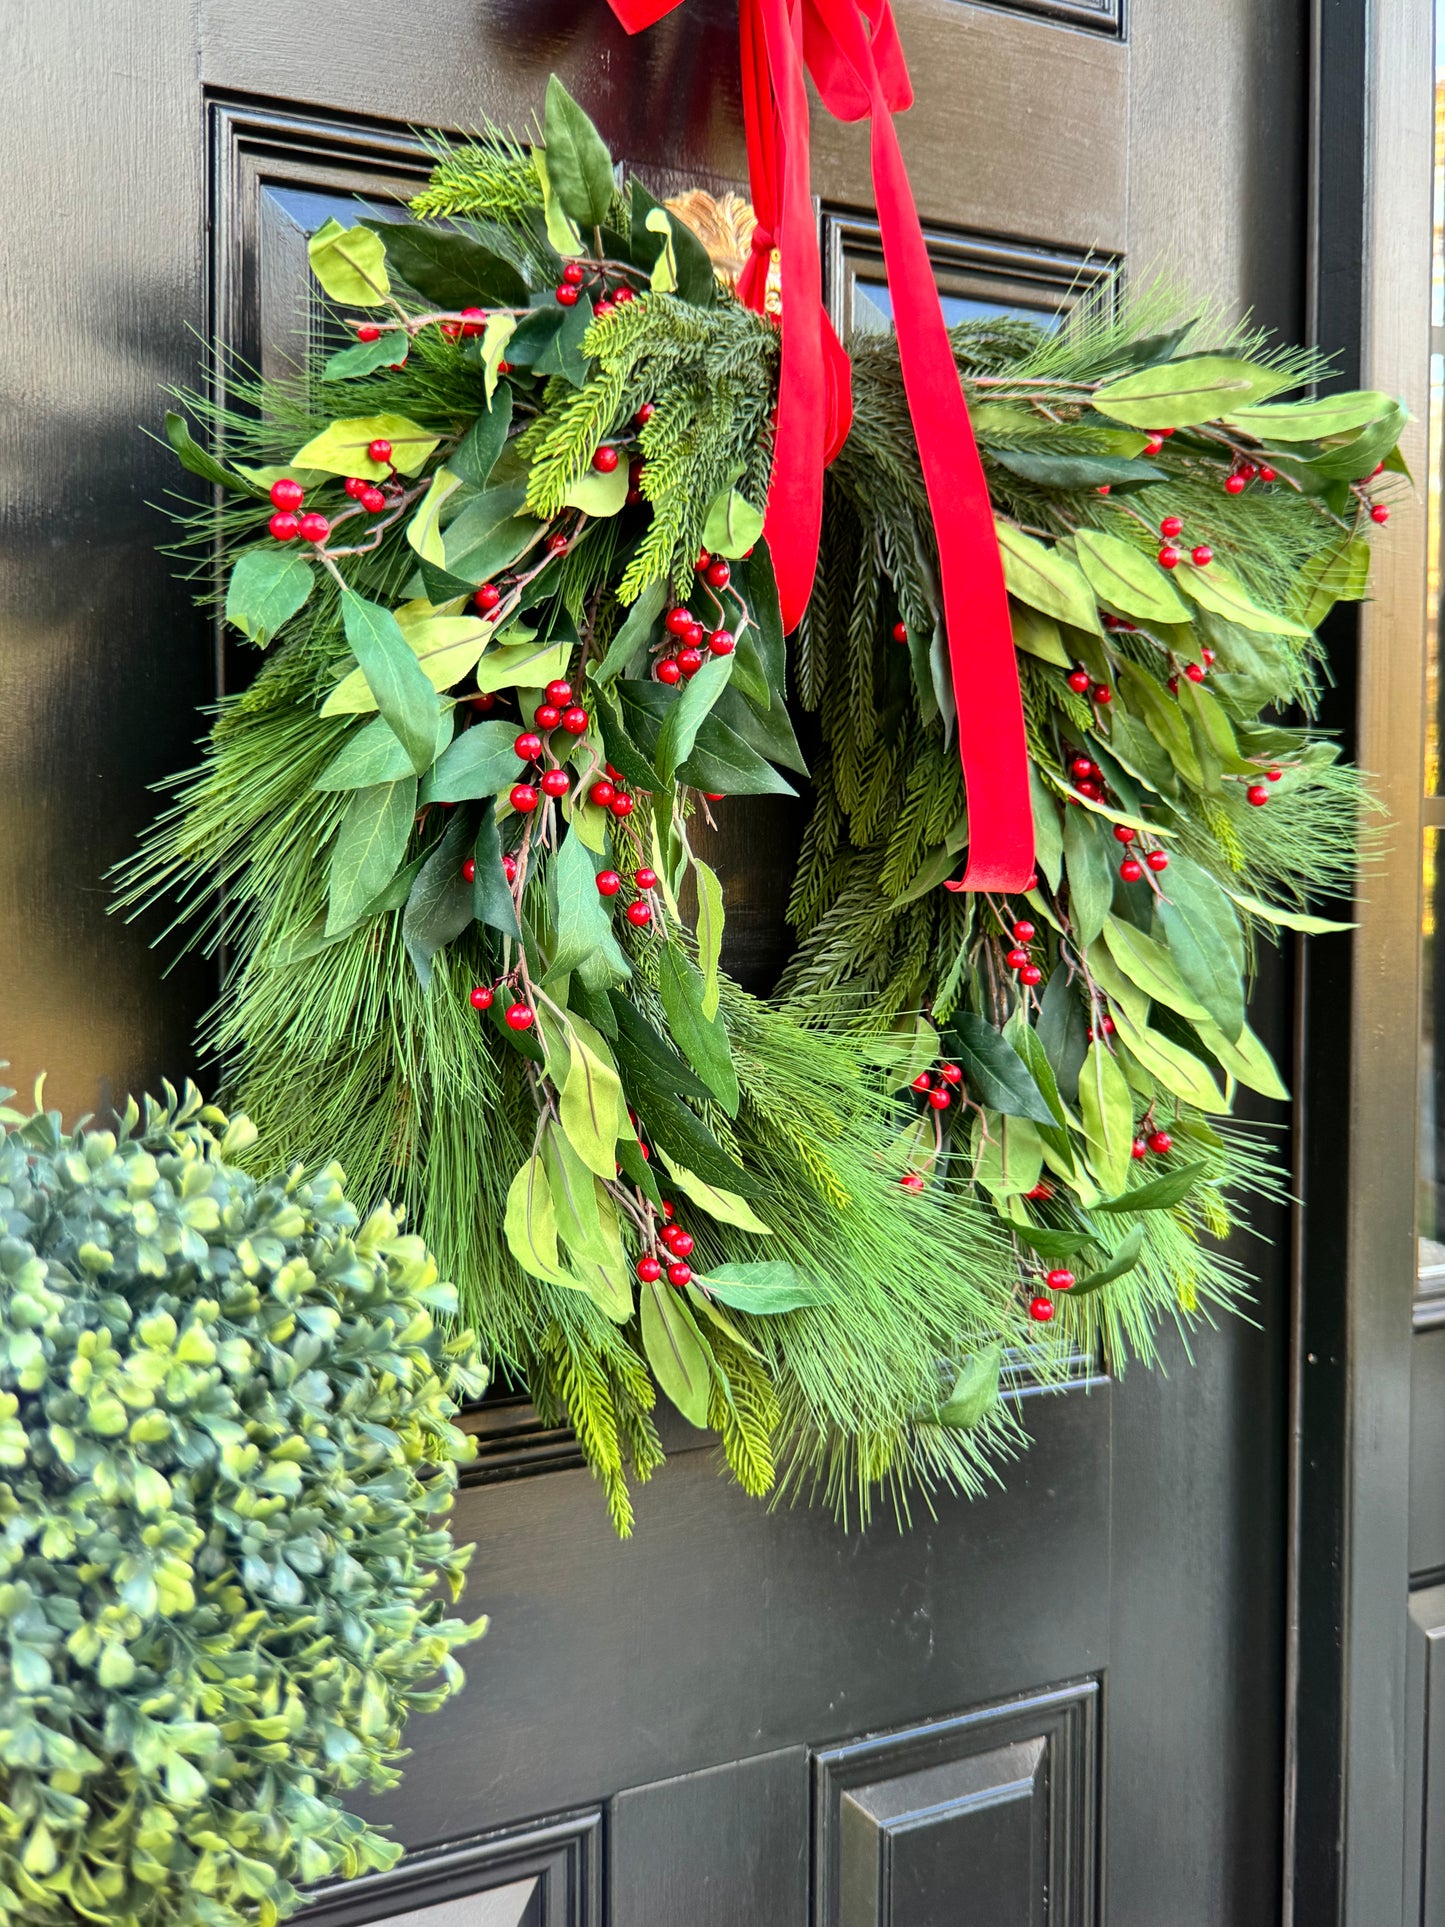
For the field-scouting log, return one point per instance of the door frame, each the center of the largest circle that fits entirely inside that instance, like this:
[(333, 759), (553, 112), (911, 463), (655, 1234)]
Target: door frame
[(1357, 1078)]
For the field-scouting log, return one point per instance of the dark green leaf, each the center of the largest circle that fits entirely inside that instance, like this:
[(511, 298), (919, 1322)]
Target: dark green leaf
[(1048, 1242), (489, 535), (578, 163), (755, 582), (676, 1350), (1063, 1033), (642, 622), (561, 352), (1159, 1193), (1201, 929), (690, 705), (491, 893), (449, 269), (370, 845), (481, 762), (394, 676), (1076, 471), (636, 1168), (580, 921), (685, 1138), (1089, 867), (191, 455), (266, 588), (1124, 1259), (535, 333), (617, 739), (483, 442), (975, 1391), (365, 357), (440, 905), (766, 1286), (374, 754), (703, 1041), (995, 1073), (636, 1036), (767, 728), (723, 764), (696, 282)]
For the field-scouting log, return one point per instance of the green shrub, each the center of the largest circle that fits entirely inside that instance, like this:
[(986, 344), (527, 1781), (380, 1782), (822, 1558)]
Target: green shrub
[(225, 1442)]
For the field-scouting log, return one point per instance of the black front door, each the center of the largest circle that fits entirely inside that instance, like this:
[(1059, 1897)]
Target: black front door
[(1062, 1703)]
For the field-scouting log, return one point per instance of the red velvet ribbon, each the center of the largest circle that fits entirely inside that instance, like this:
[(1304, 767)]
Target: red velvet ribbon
[(851, 49)]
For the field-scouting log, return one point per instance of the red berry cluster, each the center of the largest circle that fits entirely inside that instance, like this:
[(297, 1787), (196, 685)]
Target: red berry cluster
[(1041, 1309), (937, 1093), (1243, 472), (517, 1015), (592, 275), (638, 913), (1019, 959), (1157, 439), (677, 1243), (287, 498), (1153, 1139), (682, 651), (607, 793), (1079, 680), (1170, 556)]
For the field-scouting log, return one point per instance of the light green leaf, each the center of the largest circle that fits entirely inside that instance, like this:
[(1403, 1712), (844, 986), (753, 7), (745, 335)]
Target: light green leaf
[(1149, 965), (1245, 1059), (1048, 831), (733, 525), (523, 665), (498, 332), (1203, 936), (597, 494), (1158, 1193), (397, 681), (591, 1107), (579, 167), (1090, 873), (1286, 919), (370, 845), (530, 1224), (634, 634), (767, 1286), (580, 916), (423, 530), (340, 448), (664, 268), (350, 264), (1046, 579), (561, 228), (575, 1192), (1122, 1261), (679, 1355), (702, 1041), (1196, 388), (1108, 1115), (447, 647), (709, 935), (266, 588), (1007, 1162), (1223, 594), (375, 754), (726, 1206), (1313, 421), (975, 1391), (1341, 574), (1176, 1069), (1038, 635), (1128, 580)]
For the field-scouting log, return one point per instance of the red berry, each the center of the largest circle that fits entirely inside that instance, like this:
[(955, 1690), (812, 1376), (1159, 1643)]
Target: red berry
[(368, 331), (615, 774), (1169, 557), (679, 1274), (714, 796), (1208, 655), (950, 1073), (719, 573), (558, 693), (645, 879), (528, 745), (284, 526), (1031, 975), (1103, 693), (1234, 485), (1171, 526), (1060, 1280), (679, 1242), (900, 634), (1131, 869), (1023, 931), (473, 321), (1041, 1310), (1266, 473), (1153, 445), (353, 485), (689, 661), (923, 1083), (555, 782), (574, 720), (1173, 685), (695, 634), (1082, 767), (483, 702), (1138, 1149), (649, 1270), (720, 642), (313, 528), (503, 367), (602, 793), (487, 597), (679, 621), (605, 459), (1092, 788), (1123, 834), (669, 1210), (603, 309), (645, 414), (639, 913), (1257, 794), (1201, 556), (1079, 681), (1161, 1142), (608, 882), (452, 330), (1157, 860), (1041, 1192), (1163, 433), (939, 1099), (574, 274), (524, 798), (556, 543), (286, 494), (621, 804), (623, 295), (1379, 513), (546, 716), (520, 1016), (509, 868), (1104, 488), (469, 868), (1195, 671), (703, 558), (372, 500), (1274, 774), (482, 996), (1016, 959), (1248, 471), (379, 450), (567, 295), (668, 670), (911, 1181)]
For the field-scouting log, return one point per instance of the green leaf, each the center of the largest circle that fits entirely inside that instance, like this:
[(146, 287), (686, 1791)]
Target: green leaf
[(1008, 1160), (1159, 1193), (1046, 1240), (702, 1041), (767, 1286), (490, 534), (677, 1352), (1076, 471), (449, 268), (492, 352), (634, 635), (1245, 1058), (374, 754), (1312, 421), (695, 281), (995, 1073), (1204, 939), (1150, 966), (1048, 831), (440, 905), (491, 893), (191, 455), (1223, 594), (1286, 919), (591, 1108), (1038, 635), (561, 352), (726, 1206), (1128, 580), (684, 718), (530, 1223), (732, 526), (340, 448), (580, 918), (598, 495), (1108, 1115), (1196, 388), (476, 456), (579, 166), (423, 528), (350, 264), (574, 1191), (975, 1391), (1046, 578), (1123, 1260), (709, 934), (395, 677), (1162, 717), (365, 357), (1024, 1039), (266, 588), (370, 845), (767, 728), (481, 762), (1340, 574), (647, 1059), (561, 229), (682, 1135), (722, 763), (523, 665), (1090, 871), (1175, 1068)]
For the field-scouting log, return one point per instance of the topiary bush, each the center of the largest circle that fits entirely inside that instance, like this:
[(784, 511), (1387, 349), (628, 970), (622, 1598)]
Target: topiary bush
[(225, 1446)]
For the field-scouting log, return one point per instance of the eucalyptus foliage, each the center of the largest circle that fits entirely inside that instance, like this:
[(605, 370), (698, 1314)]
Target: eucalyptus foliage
[(570, 404), (226, 1454)]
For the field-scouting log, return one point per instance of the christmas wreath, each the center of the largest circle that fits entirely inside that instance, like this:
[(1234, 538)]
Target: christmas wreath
[(503, 549)]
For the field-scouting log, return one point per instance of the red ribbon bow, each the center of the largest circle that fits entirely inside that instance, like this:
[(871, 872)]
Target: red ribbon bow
[(851, 49)]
